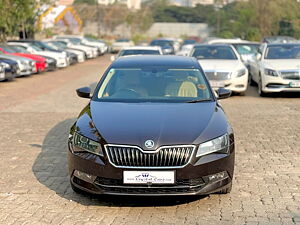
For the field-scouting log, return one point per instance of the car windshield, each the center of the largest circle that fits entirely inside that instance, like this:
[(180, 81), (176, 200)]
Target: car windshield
[(122, 40), (161, 43), (283, 52), (19, 49), (139, 52), (45, 45), (153, 85), (8, 49), (246, 49), (35, 47), (214, 52)]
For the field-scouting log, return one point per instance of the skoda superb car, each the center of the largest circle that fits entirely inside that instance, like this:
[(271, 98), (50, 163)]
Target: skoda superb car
[(152, 127)]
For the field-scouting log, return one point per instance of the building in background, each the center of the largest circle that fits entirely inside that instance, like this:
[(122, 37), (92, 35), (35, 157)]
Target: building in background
[(131, 4)]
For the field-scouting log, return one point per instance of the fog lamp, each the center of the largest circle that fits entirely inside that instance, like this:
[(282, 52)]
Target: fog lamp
[(84, 176)]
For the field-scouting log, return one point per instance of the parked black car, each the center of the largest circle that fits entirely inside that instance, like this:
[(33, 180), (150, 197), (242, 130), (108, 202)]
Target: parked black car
[(152, 127)]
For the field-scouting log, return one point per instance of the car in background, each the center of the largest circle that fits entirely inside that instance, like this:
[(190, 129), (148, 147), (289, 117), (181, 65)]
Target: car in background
[(166, 45), (121, 43), (153, 127), (247, 50), (9, 69), (61, 58), (279, 39), (102, 47), (2, 71), (62, 46), (276, 68), (138, 50), (40, 62), (222, 66), (90, 52), (185, 50), (106, 46), (71, 57), (26, 66)]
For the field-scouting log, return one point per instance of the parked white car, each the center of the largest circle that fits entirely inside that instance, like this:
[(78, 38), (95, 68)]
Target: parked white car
[(138, 50), (90, 52), (84, 41), (58, 46), (276, 68), (60, 57), (120, 44), (223, 66)]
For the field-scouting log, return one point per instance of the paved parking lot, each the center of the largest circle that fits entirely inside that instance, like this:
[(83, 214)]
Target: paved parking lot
[(36, 113)]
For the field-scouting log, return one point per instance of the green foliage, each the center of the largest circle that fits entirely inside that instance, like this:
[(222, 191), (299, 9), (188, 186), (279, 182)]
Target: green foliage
[(90, 2), (17, 15)]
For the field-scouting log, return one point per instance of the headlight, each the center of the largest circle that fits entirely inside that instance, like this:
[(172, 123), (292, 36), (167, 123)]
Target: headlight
[(271, 72), (32, 63), (84, 144), (219, 145), (241, 72)]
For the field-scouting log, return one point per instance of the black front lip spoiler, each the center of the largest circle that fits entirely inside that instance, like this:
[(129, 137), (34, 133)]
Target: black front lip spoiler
[(209, 188)]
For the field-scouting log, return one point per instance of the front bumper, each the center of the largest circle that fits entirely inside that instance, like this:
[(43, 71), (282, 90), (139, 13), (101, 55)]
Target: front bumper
[(61, 62), (238, 84), (193, 179), (277, 84)]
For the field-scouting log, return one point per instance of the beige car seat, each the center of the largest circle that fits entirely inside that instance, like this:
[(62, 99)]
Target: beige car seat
[(182, 89)]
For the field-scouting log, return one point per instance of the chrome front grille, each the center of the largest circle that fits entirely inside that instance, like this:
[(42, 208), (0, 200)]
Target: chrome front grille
[(135, 157), (214, 75), (290, 74)]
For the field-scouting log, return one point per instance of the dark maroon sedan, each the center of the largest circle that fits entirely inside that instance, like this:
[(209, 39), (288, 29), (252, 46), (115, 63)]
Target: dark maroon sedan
[(152, 127)]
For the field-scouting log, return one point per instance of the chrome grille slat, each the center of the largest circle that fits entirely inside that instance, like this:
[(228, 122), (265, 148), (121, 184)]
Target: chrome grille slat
[(217, 75), (135, 157), (290, 74)]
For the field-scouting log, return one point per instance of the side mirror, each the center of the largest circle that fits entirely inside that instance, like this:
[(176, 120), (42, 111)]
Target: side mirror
[(84, 92), (258, 56), (113, 58), (223, 93)]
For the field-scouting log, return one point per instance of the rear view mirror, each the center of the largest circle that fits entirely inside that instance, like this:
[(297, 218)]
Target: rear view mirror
[(84, 92), (223, 93)]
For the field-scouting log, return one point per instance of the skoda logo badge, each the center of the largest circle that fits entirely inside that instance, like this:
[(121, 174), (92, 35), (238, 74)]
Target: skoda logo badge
[(149, 144)]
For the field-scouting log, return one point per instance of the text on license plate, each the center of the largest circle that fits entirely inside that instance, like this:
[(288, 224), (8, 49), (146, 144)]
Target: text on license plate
[(152, 177)]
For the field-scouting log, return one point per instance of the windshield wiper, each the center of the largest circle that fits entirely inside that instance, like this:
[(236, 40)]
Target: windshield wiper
[(199, 100)]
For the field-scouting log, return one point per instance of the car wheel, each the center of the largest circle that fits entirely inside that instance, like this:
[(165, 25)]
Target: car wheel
[(226, 190), (260, 91)]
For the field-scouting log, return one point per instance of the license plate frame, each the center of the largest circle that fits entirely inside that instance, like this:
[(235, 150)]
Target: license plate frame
[(294, 84), (216, 84), (149, 177)]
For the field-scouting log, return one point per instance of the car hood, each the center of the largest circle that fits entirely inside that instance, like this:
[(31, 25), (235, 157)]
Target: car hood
[(282, 64), (220, 65), (51, 54), (164, 123)]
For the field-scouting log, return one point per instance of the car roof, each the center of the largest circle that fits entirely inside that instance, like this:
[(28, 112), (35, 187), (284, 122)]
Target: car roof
[(156, 60), (220, 44), (283, 44), (141, 48)]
